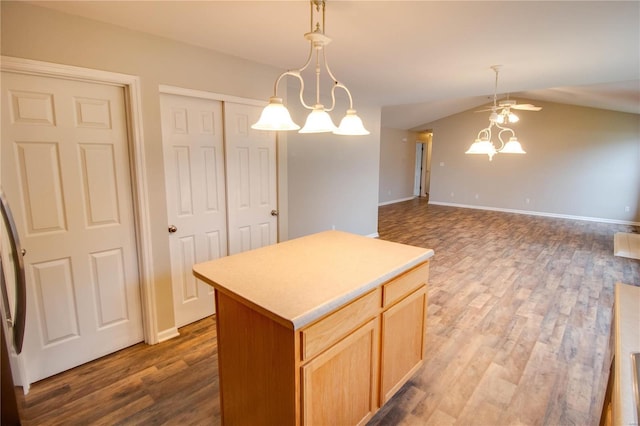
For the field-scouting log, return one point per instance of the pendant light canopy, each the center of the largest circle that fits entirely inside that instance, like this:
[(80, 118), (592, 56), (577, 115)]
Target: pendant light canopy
[(483, 143), (275, 116)]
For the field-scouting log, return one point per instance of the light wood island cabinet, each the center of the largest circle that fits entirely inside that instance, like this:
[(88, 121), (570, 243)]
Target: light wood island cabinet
[(318, 330)]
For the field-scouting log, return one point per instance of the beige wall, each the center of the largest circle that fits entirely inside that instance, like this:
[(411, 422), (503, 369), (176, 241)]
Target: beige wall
[(397, 164), (333, 180), (580, 161), (36, 33)]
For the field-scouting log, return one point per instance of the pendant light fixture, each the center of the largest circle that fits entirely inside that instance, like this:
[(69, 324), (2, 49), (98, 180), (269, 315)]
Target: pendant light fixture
[(275, 116), (483, 143)]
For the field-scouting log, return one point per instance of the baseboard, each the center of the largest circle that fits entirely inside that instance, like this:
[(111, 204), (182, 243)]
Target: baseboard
[(374, 235), (534, 213), (396, 201), (167, 334)]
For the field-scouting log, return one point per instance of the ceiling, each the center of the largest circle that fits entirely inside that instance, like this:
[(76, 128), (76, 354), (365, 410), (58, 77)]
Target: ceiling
[(420, 60)]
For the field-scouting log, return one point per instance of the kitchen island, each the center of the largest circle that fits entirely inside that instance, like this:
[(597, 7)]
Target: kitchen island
[(322, 329)]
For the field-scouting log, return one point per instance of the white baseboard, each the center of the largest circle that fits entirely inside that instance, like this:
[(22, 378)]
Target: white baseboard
[(374, 235), (534, 213), (167, 334), (396, 201)]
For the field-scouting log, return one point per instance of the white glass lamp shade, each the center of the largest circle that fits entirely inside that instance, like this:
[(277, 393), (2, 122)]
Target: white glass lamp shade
[(482, 146), (351, 124), (496, 118), (513, 118), (275, 116), (318, 121), (513, 147)]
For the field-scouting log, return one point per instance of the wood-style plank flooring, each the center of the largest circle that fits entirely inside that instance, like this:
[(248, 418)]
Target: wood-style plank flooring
[(518, 334), (173, 383)]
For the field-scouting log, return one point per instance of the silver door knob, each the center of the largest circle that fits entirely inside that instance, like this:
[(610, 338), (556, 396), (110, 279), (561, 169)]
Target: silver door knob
[(274, 212), (172, 229)]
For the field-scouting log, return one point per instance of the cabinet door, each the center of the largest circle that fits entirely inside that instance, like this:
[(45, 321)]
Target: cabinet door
[(339, 387), (403, 329)]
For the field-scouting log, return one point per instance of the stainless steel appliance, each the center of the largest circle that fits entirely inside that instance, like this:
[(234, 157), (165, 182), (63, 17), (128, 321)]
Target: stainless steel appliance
[(13, 287)]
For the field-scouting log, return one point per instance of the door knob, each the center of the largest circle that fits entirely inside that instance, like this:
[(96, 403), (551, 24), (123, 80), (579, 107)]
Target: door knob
[(274, 212), (172, 229)]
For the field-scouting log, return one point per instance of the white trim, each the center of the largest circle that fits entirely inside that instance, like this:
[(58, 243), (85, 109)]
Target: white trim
[(167, 334), (374, 235), (133, 101), (29, 66), (534, 213), (174, 90), (397, 201)]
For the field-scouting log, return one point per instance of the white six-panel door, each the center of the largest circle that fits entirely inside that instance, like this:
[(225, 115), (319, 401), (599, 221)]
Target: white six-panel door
[(65, 171), (192, 135), (251, 179)]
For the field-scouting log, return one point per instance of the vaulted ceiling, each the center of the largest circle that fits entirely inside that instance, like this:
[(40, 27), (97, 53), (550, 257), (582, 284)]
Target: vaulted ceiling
[(420, 60)]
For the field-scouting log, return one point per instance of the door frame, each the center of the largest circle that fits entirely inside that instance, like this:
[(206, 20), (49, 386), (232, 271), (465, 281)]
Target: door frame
[(133, 109), (192, 93)]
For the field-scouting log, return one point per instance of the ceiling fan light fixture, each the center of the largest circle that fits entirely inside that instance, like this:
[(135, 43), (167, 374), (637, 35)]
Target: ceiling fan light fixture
[(483, 143)]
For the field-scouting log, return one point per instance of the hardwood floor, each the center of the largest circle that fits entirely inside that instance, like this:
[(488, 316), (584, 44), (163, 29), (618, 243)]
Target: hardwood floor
[(518, 321), (518, 334), (174, 382)]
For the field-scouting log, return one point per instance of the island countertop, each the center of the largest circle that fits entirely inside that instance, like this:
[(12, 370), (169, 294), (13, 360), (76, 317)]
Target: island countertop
[(627, 341), (298, 281)]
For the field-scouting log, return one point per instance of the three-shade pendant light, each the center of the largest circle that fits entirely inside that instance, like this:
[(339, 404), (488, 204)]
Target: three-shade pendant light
[(275, 115), (483, 143)]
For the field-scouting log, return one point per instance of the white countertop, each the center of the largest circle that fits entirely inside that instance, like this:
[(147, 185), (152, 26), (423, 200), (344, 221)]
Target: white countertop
[(627, 341), (300, 280)]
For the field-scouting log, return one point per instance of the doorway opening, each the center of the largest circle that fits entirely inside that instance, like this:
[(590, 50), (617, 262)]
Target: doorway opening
[(422, 174)]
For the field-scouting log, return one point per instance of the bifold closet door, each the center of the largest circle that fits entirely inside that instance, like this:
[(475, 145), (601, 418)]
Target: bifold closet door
[(251, 180), (192, 134)]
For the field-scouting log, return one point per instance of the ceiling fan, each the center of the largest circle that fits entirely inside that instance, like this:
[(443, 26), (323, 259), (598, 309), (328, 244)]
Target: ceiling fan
[(502, 109), (483, 143)]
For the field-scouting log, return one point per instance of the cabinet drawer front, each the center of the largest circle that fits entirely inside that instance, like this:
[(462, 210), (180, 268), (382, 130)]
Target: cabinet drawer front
[(334, 327), (400, 287)]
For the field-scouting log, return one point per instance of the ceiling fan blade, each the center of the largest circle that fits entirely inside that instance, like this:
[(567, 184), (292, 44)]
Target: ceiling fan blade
[(526, 107), (484, 110)]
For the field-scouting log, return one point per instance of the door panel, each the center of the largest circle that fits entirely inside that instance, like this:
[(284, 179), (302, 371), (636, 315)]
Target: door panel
[(251, 180), (38, 168), (65, 171), (194, 172)]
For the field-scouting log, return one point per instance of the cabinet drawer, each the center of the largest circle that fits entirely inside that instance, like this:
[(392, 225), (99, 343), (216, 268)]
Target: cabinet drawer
[(400, 287), (335, 326)]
